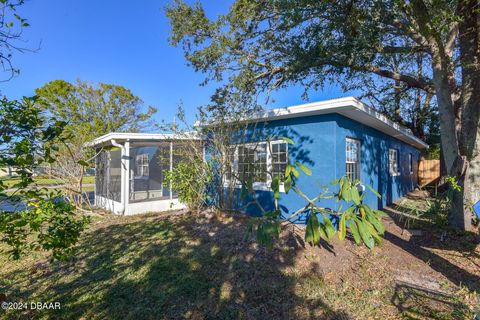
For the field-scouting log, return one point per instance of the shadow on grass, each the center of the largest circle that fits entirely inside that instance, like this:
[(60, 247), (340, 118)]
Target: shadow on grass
[(450, 243), (416, 302), (456, 274), (170, 268)]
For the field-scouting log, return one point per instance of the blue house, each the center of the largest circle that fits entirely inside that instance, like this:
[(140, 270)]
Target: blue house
[(334, 138)]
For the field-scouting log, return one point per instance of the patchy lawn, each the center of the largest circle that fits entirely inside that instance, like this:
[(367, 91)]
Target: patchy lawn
[(44, 181), (171, 266)]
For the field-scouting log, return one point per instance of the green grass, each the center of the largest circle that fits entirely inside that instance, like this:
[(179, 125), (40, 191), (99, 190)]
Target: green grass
[(187, 266), (44, 181), (156, 268)]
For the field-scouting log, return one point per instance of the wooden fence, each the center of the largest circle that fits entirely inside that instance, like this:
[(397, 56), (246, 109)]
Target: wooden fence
[(428, 171)]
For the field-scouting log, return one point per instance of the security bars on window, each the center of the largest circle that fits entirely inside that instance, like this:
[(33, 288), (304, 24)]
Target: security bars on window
[(352, 162)]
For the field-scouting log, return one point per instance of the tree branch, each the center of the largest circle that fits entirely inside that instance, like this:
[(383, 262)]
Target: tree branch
[(409, 80)]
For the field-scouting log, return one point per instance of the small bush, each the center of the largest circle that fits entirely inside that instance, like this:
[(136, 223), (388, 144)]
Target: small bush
[(189, 179)]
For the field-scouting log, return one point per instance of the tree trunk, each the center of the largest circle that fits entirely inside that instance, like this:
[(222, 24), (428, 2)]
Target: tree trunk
[(450, 144), (469, 39), (449, 140)]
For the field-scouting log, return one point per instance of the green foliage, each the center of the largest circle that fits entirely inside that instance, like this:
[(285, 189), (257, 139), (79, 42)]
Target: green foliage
[(25, 139), (265, 45), (363, 222), (437, 209), (11, 27), (48, 222), (190, 179), (358, 218), (440, 207), (93, 110), (312, 234), (89, 112)]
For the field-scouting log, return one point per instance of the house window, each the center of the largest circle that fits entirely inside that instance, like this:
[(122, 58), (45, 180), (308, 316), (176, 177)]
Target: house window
[(410, 163), (352, 159), (279, 159), (252, 162), (142, 163), (393, 162), (259, 161)]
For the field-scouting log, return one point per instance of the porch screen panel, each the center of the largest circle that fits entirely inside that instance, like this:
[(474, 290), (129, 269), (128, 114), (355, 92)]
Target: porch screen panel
[(108, 174), (115, 179), (101, 173), (148, 161)]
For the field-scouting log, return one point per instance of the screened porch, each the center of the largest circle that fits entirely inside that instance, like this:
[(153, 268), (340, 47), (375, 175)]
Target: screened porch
[(130, 170)]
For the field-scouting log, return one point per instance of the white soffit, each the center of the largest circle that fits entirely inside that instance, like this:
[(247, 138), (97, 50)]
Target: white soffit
[(349, 107)]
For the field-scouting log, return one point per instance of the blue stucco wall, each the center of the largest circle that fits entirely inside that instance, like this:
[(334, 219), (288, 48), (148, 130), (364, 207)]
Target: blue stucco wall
[(320, 144), (374, 161)]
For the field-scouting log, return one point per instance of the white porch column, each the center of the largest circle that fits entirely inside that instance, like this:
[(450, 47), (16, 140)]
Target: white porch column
[(171, 168), (126, 176)]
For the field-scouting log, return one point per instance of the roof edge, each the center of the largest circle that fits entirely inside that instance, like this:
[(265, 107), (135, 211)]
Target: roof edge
[(129, 136), (337, 106)]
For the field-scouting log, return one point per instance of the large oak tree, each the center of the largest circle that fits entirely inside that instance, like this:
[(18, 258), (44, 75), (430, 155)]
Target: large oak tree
[(267, 44)]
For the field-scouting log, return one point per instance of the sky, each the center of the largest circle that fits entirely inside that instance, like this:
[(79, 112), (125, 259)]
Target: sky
[(119, 42)]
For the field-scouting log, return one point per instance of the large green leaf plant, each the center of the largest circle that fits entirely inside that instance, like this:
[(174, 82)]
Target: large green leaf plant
[(354, 216)]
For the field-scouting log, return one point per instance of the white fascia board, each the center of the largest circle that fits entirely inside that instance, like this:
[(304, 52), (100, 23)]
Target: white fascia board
[(124, 136), (349, 107)]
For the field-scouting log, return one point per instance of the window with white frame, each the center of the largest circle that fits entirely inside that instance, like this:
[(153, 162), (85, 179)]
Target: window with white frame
[(258, 160), (393, 162), (410, 163), (142, 165), (252, 162), (352, 159), (279, 159)]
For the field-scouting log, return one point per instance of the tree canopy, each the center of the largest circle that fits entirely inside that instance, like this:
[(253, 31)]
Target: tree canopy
[(94, 110)]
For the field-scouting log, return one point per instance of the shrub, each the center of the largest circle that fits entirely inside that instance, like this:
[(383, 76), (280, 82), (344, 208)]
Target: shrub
[(189, 178)]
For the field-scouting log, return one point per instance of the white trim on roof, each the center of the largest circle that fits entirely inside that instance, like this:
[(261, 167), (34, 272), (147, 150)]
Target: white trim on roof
[(126, 136), (349, 107)]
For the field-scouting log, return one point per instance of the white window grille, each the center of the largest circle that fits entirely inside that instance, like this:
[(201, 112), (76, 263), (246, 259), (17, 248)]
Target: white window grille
[(352, 158), (259, 161), (393, 162), (252, 162), (142, 164), (279, 159)]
